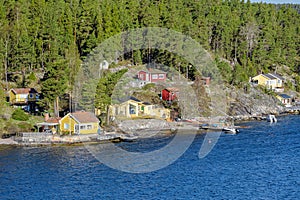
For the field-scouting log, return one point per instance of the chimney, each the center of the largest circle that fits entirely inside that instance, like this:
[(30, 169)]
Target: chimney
[(46, 116)]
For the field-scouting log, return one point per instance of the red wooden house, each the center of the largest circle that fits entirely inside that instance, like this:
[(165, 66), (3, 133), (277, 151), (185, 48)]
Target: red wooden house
[(169, 94), (152, 75)]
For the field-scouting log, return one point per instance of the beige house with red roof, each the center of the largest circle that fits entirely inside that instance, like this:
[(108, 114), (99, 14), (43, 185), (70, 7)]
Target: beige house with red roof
[(80, 122)]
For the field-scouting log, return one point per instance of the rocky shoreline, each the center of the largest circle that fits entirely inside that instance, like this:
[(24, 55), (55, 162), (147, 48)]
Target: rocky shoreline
[(126, 130)]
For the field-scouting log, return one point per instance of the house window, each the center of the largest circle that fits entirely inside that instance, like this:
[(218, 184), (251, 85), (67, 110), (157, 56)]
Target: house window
[(82, 127), (154, 76), (23, 97), (273, 82), (89, 126), (161, 76), (66, 126), (132, 109)]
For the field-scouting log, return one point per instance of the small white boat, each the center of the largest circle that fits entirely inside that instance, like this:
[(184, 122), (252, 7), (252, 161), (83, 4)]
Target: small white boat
[(128, 138), (231, 130), (271, 118)]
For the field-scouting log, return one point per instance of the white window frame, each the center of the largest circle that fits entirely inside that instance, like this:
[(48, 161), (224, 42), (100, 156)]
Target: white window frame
[(66, 126), (154, 76), (161, 76)]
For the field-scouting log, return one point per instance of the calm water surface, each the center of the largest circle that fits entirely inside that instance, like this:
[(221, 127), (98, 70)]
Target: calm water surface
[(262, 162)]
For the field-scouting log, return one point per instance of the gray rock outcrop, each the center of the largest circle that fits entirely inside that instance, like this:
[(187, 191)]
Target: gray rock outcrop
[(252, 103)]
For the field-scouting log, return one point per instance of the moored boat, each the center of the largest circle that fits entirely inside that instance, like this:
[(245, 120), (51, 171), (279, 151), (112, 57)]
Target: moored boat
[(271, 118), (231, 130)]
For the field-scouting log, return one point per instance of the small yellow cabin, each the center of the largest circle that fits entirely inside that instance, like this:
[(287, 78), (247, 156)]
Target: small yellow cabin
[(80, 123), (285, 99), (156, 111), (270, 80), (133, 108), (22, 96), (128, 109)]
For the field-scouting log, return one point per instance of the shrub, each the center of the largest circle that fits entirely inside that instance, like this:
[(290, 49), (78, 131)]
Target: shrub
[(32, 77), (20, 115), (25, 127), (148, 86), (10, 128)]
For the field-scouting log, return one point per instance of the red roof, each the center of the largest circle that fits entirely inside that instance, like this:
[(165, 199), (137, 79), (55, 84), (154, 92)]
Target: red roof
[(170, 89), (153, 71), (53, 120), (23, 90), (85, 117)]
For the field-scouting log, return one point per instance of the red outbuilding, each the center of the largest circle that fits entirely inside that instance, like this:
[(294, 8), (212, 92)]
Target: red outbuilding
[(152, 75), (169, 94)]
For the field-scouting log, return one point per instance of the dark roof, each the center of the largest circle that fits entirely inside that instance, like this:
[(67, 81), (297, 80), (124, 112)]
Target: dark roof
[(124, 99), (285, 96), (273, 76), (134, 99), (277, 76), (269, 76), (23, 90), (84, 117), (147, 103)]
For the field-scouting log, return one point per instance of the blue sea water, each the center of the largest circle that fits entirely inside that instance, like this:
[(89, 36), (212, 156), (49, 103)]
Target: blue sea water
[(262, 162)]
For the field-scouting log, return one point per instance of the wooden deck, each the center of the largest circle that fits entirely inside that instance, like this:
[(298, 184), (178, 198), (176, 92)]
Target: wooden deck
[(293, 109)]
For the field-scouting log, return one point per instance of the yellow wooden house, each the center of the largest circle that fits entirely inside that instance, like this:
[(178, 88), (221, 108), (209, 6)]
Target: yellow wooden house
[(156, 111), (270, 81), (22, 95), (127, 109), (25, 98), (80, 123), (134, 108)]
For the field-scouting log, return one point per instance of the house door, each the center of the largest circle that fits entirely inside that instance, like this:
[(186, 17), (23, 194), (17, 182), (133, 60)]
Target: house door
[(76, 129)]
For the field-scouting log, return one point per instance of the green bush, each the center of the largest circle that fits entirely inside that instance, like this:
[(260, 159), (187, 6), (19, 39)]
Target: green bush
[(149, 86), (20, 115), (32, 77), (10, 128), (297, 80), (25, 127)]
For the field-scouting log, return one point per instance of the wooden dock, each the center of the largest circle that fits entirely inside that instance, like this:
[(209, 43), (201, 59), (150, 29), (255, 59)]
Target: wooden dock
[(293, 109)]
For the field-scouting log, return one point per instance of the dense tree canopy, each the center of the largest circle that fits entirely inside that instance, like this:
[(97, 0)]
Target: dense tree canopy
[(52, 36)]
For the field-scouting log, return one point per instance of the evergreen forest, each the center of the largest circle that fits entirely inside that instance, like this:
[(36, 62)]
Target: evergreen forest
[(44, 42)]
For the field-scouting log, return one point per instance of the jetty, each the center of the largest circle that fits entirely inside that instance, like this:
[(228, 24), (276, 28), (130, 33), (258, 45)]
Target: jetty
[(293, 109), (219, 127)]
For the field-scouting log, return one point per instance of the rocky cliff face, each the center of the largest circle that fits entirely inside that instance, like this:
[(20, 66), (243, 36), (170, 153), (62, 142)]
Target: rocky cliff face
[(251, 103)]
